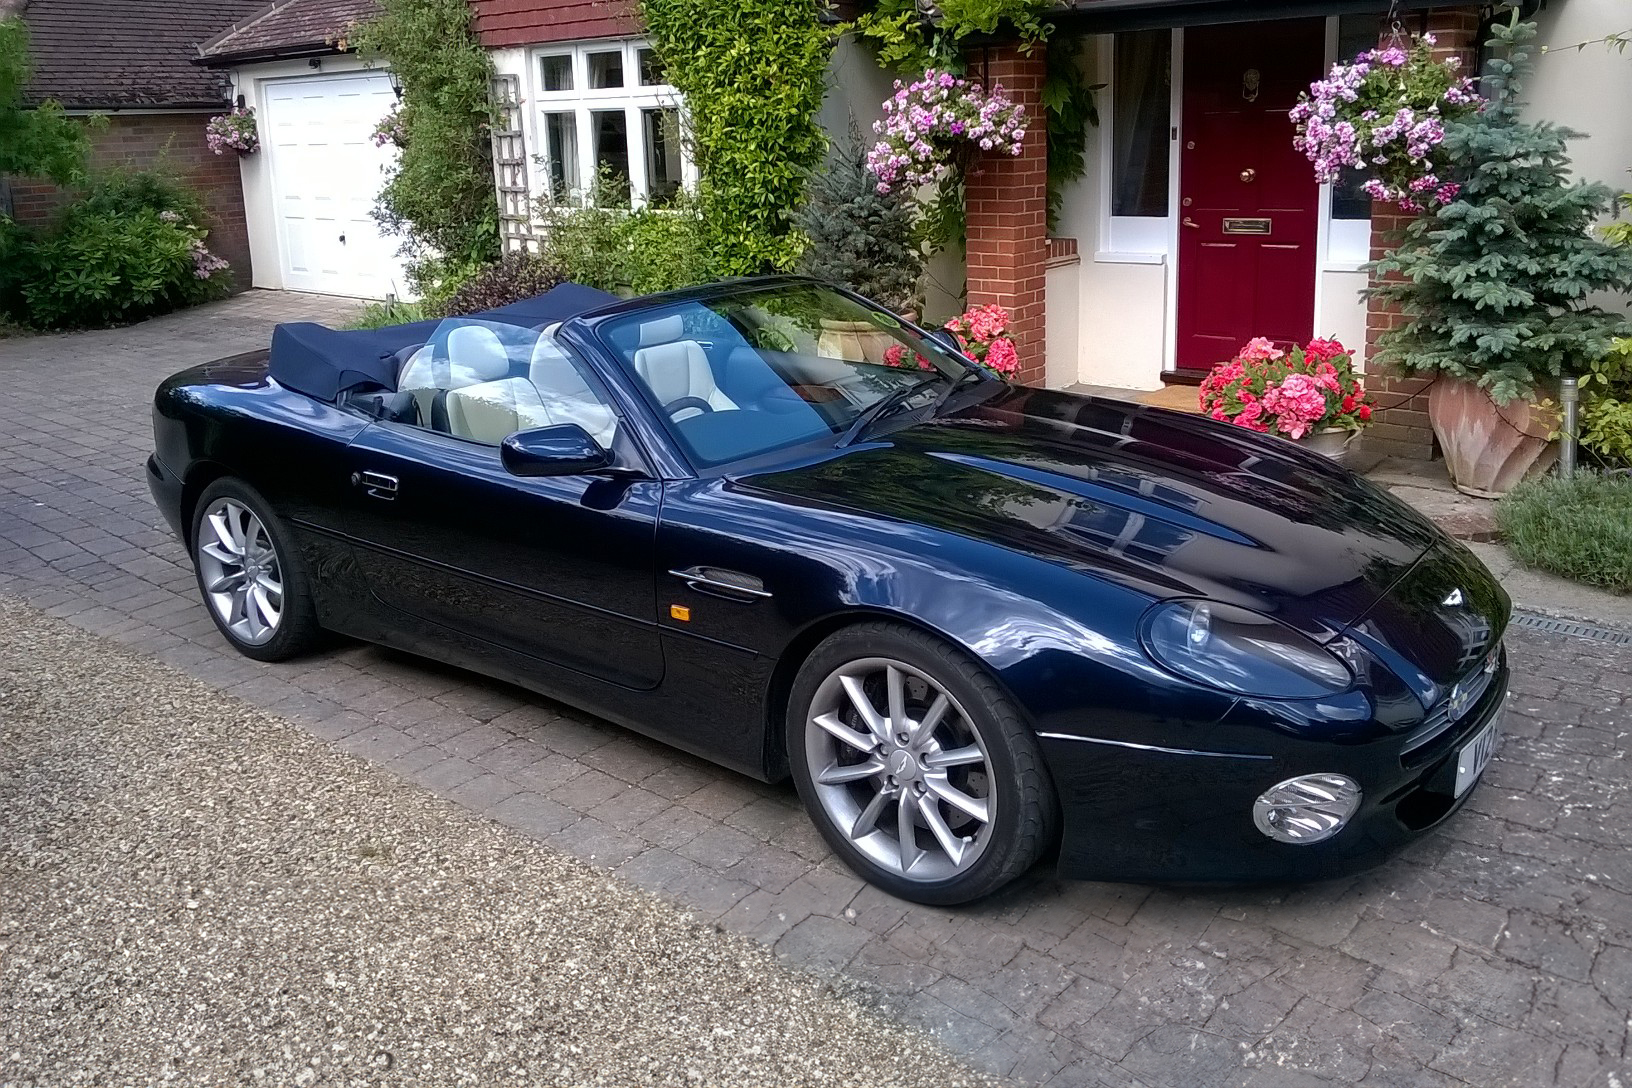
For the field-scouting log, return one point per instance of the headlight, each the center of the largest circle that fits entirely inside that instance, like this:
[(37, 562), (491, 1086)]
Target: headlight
[(1241, 652)]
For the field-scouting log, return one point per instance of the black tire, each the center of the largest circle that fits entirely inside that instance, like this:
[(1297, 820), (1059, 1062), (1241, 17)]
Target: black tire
[(1019, 800), (296, 629)]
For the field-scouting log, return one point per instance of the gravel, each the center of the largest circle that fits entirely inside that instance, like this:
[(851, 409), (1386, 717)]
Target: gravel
[(193, 891)]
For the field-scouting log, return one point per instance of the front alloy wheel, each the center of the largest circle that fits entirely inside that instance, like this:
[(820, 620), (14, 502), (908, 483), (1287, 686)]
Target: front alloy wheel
[(916, 766), (899, 765)]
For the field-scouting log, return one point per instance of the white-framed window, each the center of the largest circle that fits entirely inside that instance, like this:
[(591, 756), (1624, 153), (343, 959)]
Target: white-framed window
[(1138, 171), (605, 106)]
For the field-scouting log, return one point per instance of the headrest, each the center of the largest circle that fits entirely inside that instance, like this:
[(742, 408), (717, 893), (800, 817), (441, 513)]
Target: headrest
[(665, 330), (479, 351)]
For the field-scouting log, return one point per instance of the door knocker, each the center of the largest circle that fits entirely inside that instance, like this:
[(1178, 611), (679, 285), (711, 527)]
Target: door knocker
[(1250, 79)]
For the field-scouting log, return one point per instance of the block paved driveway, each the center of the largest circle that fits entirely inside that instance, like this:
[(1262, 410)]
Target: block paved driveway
[(1497, 951)]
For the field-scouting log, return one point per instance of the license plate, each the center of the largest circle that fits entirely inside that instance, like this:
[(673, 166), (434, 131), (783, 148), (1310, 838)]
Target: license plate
[(1472, 757)]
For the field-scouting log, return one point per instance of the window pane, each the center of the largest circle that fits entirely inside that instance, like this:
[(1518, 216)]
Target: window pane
[(1139, 137), (651, 69), (1355, 34), (662, 154), (611, 129), (561, 153), (557, 73), (606, 70)]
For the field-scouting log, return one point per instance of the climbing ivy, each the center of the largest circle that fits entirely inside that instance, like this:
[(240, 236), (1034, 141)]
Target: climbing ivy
[(440, 196), (752, 72)]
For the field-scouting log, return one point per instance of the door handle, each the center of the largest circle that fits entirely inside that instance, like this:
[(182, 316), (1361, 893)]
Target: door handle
[(723, 583), (376, 485), (1191, 223)]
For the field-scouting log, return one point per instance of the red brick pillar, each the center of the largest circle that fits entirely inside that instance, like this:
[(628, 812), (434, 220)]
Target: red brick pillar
[(1400, 428), (1007, 197)]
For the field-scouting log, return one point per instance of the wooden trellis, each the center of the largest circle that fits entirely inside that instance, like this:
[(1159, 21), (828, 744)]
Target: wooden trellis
[(510, 166)]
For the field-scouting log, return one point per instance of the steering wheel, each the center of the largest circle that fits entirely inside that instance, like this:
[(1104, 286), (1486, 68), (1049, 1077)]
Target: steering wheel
[(687, 402)]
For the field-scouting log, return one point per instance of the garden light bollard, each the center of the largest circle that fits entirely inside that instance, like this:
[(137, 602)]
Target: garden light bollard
[(1569, 396)]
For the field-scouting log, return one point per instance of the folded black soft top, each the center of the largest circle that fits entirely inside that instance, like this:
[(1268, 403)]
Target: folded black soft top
[(323, 362)]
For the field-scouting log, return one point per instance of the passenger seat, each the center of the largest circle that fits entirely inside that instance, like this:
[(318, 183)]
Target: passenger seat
[(675, 369)]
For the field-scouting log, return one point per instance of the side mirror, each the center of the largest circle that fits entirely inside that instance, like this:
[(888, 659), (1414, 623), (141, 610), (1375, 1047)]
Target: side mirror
[(562, 450)]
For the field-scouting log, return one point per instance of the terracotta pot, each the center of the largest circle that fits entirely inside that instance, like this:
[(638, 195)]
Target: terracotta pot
[(1489, 448), (1332, 442), (855, 341)]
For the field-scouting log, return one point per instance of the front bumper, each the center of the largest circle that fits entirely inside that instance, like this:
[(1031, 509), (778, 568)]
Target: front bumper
[(1167, 814)]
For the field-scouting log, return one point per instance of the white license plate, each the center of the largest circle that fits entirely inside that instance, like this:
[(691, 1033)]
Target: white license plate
[(1472, 757)]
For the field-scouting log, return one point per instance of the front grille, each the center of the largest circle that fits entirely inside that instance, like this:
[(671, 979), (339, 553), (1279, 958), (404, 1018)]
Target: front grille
[(1466, 697)]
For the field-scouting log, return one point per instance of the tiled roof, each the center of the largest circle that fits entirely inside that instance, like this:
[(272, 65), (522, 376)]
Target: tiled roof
[(289, 27), (101, 54)]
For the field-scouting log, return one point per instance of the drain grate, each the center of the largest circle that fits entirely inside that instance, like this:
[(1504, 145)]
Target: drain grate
[(1533, 622)]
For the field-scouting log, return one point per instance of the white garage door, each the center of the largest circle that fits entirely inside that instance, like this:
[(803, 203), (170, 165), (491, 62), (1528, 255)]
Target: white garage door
[(326, 173)]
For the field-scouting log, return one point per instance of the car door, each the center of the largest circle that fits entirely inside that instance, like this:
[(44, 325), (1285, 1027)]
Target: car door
[(556, 568)]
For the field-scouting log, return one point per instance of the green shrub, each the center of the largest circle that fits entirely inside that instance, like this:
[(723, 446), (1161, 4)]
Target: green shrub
[(122, 192), (440, 195), (515, 277), (112, 268), (1580, 527), (859, 237), (434, 280), (753, 73), (35, 141), (377, 315), (1606, 429), (604, 244), (14, 253)]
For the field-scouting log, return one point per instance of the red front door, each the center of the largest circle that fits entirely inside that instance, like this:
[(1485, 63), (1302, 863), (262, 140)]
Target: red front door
[(1248, 202)]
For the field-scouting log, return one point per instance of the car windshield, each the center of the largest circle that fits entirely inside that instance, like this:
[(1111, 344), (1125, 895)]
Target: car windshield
[(742, 374)]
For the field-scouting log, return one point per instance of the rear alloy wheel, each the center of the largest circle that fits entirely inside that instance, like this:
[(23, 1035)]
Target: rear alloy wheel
[(916, 766), (251, 579)]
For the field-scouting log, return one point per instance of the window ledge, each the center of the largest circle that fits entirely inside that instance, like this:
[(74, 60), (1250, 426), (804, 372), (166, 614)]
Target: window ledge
[(1344, 266), (1103, 257)]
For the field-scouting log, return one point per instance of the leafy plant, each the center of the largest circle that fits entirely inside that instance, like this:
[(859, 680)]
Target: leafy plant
[(118, 191), (110, 268), (234, 131), (603, 243), (14, 254), (1580, 527), (859, 236), (377, 315), (1289, 392), (440, 195), (1606, 429), (1494, 284), (753, 73), (1068, 101), (513, 277), (39, 141)]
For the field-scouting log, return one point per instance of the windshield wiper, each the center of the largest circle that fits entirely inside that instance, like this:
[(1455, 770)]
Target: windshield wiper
[(976, 371), (884, 405)]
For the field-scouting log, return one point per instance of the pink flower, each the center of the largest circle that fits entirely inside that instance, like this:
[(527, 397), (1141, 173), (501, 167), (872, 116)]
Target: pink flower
[(1259, 347), (1002, 357)]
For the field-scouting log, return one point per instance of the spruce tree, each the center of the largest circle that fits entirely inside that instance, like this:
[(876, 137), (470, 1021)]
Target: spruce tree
[(1495, 283), (859, 237)]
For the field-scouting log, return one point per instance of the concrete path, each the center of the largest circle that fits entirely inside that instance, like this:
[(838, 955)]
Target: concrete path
[(1497, 951)]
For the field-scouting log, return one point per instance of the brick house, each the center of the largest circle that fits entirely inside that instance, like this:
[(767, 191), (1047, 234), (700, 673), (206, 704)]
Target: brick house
[(130, 60), (1196, 225), (293, 215)]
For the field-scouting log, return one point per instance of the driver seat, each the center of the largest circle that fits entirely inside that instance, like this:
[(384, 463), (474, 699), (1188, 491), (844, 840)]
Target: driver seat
[(675, 369)]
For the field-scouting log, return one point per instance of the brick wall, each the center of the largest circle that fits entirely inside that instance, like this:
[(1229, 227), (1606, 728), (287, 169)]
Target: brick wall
[(1007, 198), (1401, 428), (175, 143)]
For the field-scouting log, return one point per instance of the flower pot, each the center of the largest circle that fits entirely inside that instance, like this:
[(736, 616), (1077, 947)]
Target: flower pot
[(1330, 442), (1489, 447), (854, 341)]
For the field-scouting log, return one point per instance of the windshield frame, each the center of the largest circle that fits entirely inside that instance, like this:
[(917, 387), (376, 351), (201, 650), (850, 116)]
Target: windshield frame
[(951, 366)]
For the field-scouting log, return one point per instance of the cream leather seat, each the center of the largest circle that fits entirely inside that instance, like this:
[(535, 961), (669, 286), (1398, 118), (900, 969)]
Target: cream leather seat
[(492, 411), (675, 369), (474, 355)]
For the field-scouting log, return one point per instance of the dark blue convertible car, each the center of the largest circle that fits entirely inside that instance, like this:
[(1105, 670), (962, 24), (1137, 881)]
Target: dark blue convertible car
[(977, 623)]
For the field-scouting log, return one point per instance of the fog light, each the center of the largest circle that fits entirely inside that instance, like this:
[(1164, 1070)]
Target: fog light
[(1306, 809)]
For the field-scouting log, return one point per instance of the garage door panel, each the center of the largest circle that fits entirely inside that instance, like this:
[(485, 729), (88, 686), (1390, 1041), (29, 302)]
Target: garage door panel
[(326, 176)]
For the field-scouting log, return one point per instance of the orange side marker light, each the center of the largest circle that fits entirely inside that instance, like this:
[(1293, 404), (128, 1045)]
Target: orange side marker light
[(680, 612)]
